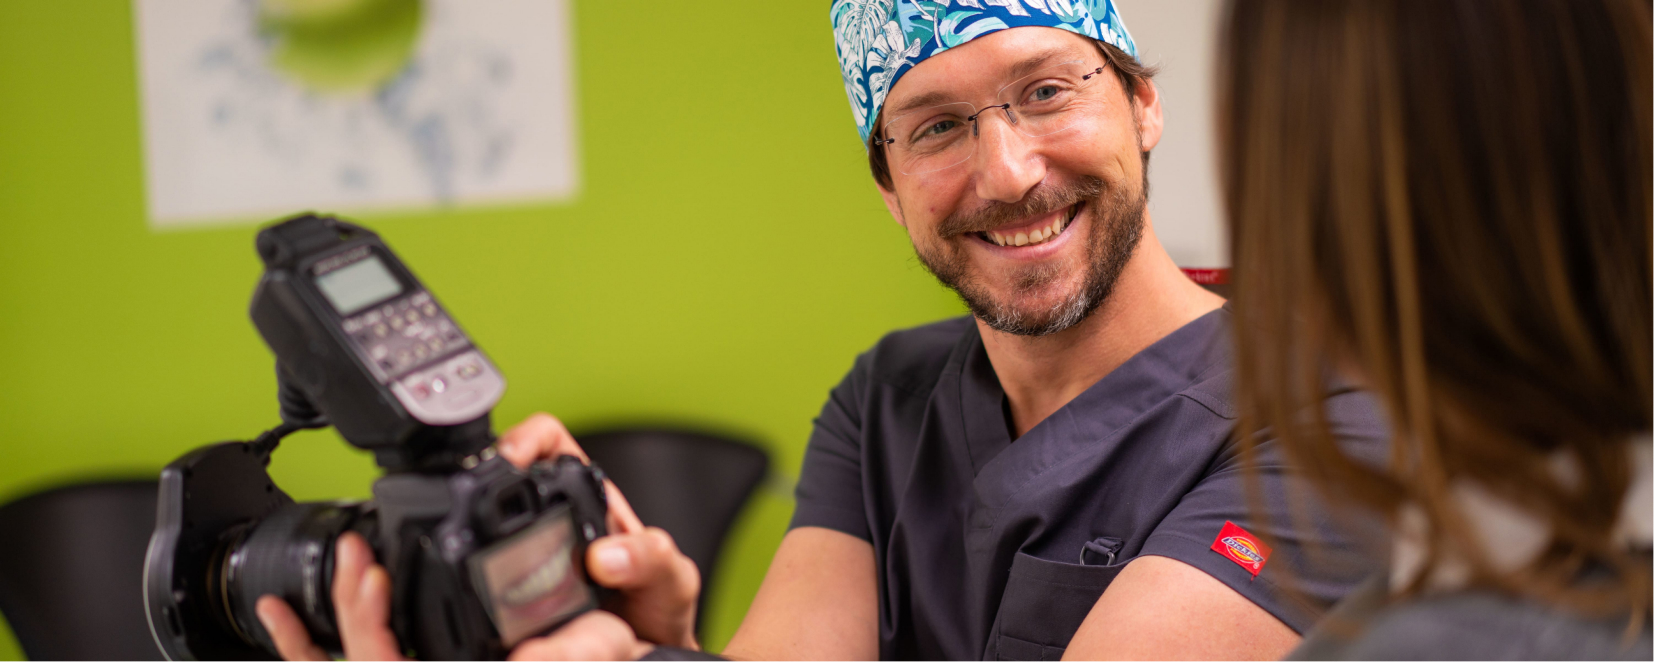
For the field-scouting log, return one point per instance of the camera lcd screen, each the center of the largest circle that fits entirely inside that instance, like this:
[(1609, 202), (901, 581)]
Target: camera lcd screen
[(531, 580), (359, 285)]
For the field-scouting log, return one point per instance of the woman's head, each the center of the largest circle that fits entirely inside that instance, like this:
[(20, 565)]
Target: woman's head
[(1448, 201)]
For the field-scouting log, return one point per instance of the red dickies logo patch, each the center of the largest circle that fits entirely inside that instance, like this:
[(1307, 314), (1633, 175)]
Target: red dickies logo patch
[(1241, 547)]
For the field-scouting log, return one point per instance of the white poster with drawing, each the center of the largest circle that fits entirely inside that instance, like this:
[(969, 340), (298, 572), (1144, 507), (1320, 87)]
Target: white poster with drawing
[(253, 109)]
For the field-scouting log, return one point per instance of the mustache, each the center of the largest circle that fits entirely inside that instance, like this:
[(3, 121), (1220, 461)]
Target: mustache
[(1044, 199)]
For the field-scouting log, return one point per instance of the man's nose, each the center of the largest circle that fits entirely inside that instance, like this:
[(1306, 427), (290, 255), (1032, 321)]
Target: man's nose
[(1007, 165)]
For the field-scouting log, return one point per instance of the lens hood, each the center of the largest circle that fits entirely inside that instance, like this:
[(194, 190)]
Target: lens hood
[(205, 497)]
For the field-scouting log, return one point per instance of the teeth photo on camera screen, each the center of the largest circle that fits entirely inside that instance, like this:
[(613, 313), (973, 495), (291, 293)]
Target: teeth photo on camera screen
[(530, 580)]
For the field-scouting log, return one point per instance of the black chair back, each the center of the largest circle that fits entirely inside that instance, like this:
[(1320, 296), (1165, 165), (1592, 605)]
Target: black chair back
[(71, 571), (691, 484)]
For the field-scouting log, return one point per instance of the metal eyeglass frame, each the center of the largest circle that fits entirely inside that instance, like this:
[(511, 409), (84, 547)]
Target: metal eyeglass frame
[(976, 128)]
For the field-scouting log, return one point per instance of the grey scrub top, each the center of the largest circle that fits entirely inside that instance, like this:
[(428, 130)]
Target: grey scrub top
[(997, 549)]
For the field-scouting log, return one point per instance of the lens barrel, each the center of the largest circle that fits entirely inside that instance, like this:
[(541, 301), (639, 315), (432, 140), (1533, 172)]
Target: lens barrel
[(289, 554)]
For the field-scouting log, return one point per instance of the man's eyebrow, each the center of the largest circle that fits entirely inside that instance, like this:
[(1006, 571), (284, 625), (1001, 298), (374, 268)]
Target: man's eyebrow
[(926, 99), (1022, 68), (1035, 63)]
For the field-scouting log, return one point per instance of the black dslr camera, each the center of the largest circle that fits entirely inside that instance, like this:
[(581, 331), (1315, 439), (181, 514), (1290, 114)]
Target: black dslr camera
[(481, 555)]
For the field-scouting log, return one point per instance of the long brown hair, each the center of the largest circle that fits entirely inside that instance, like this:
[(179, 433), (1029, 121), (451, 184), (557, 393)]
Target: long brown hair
[(1449, 201)]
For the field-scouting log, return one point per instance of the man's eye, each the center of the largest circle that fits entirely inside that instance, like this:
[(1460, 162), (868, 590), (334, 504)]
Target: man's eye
[(1044, 93), (938, 128)]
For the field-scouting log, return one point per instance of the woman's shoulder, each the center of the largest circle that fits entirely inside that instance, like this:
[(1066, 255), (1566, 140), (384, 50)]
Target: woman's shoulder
[(1472, 625)]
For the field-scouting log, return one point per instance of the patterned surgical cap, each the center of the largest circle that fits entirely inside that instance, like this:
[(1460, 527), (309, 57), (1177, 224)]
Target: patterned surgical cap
[(879, 40)]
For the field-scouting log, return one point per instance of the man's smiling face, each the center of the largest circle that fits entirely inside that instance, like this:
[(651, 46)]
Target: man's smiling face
[(1031, 224)]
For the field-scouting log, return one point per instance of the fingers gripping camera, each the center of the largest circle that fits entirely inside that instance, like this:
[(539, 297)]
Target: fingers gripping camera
[(481, 554)]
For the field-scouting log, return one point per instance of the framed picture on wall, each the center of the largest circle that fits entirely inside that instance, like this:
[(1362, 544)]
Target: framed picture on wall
[(256, 108)]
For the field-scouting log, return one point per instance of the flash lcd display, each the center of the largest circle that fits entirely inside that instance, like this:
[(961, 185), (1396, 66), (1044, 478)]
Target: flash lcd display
[(359, 285)]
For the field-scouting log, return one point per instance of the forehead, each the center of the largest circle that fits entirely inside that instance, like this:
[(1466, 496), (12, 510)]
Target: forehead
[(981, 65)]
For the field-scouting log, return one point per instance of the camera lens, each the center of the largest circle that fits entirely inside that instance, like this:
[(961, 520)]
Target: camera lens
[(290, 555)]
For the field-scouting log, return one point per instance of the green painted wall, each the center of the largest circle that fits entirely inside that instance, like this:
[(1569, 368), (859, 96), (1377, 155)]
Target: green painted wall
[(725, 261)]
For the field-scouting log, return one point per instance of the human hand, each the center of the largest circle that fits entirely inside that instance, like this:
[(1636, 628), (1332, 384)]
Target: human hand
[(657, 583), (362, 598), (361, 603)]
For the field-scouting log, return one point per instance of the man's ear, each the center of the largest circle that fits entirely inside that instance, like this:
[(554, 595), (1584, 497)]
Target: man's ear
[(1150, 121), (892, 203)]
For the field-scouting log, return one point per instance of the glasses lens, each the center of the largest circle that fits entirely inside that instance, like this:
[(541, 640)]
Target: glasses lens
[(1051, 100), (930, 139)]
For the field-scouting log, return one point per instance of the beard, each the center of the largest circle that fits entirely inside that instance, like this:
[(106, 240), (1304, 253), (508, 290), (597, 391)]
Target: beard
[(1117, 226)]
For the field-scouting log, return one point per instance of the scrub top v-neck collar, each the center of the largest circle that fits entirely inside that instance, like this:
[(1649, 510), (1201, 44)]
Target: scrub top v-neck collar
[(1159, 371)]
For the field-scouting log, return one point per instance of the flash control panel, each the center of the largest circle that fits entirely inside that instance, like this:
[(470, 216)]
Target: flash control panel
[(402, 335), (414, 347)]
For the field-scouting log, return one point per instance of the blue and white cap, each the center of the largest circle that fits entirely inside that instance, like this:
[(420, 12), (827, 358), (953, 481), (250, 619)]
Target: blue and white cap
[(879, 40)]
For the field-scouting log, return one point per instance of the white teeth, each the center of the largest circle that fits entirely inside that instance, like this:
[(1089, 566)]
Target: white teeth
[(1035, 236)]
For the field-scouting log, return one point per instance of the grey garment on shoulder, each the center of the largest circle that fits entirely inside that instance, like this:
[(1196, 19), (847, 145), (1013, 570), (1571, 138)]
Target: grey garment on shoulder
[(1465, 625)]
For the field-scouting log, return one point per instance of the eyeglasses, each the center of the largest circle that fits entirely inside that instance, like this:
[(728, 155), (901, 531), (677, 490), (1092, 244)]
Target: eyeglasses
[(1037, 105)]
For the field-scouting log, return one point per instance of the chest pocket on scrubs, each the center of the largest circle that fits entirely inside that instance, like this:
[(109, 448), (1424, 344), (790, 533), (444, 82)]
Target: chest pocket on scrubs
[(1044, 604)]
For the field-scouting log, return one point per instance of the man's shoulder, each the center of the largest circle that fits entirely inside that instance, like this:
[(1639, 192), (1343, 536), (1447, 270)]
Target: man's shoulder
[(912, 359), (1348, 408), (1354, 417)]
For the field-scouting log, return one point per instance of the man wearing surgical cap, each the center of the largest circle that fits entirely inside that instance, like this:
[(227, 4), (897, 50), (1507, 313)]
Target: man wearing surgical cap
[(1057, 474)]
